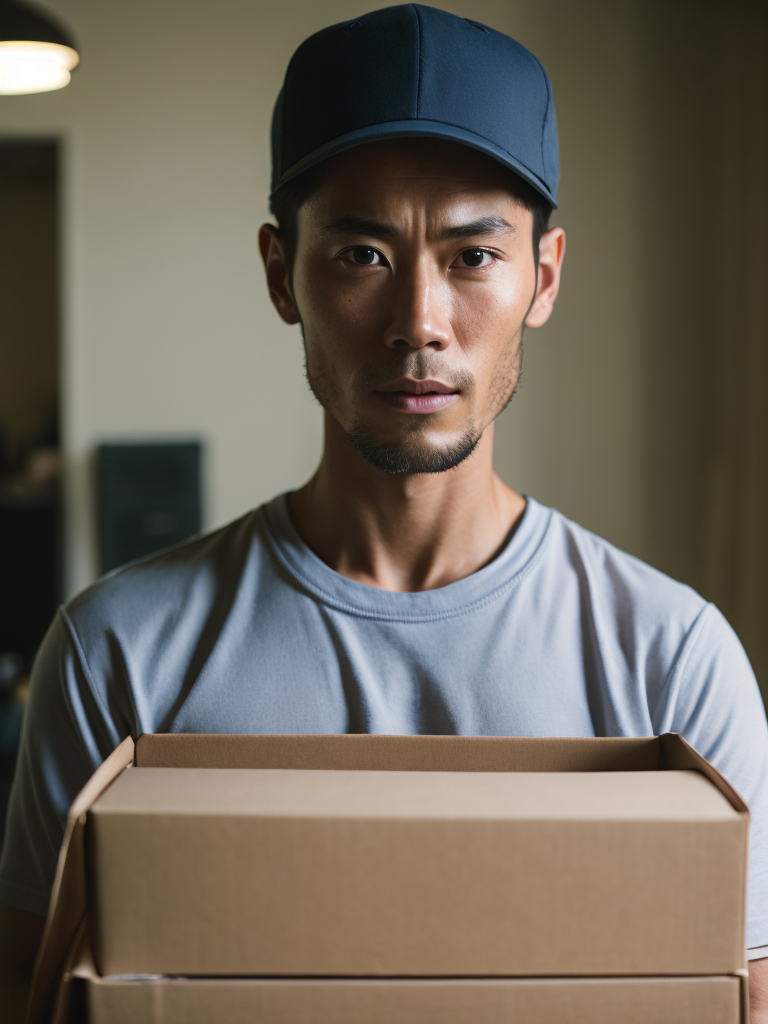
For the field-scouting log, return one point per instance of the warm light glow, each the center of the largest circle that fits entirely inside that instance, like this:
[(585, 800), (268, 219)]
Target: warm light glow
[(34, 67)]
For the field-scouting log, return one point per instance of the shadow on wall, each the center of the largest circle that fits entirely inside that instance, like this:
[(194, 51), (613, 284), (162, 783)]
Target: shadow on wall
[(642, 412), (705, 321)]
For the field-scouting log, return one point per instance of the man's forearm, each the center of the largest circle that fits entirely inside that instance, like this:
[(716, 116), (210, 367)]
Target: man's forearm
[(758, 991)]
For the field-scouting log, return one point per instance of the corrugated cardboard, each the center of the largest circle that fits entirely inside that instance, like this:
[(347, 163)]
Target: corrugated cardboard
[(703, 928)]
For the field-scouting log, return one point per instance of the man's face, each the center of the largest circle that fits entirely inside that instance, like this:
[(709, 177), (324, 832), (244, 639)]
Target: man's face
[(413, 276)]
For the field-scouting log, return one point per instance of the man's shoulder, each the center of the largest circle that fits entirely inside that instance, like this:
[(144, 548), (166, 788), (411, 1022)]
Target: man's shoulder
[(645, 628), (158, 587), (617, 580)]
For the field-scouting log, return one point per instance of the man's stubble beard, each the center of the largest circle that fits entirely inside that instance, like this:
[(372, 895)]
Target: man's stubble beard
[(414, 454)]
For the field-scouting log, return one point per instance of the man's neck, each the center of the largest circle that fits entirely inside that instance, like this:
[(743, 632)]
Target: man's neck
[(405, 532)]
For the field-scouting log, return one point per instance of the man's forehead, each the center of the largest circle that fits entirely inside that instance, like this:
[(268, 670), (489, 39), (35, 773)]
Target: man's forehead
[(392, 183)]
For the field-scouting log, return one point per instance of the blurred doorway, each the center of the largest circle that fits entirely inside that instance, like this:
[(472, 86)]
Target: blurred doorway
[(30, 551)]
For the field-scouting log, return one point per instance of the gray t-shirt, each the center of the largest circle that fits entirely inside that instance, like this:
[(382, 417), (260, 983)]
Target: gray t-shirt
[(245, 630)]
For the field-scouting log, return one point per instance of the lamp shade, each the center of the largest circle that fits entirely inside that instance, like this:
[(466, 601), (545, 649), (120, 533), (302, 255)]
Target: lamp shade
[(37, 53)]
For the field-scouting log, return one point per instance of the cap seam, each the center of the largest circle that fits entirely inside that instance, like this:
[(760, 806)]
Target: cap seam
[(281, 154), (415, 10), (546, 111)]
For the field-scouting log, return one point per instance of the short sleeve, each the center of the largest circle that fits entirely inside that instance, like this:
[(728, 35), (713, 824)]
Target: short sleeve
[(65, 737), (713, 700)]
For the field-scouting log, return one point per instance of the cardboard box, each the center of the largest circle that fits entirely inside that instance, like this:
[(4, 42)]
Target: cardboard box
[(246, 871), (691, 1000), (396, 874)]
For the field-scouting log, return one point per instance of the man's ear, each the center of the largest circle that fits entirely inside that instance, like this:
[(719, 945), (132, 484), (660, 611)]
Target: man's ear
[(551, 253), (278, 283)]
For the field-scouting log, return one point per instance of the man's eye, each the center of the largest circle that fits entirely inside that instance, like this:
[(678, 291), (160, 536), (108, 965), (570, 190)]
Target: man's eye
[(474, 258), (364, 256)]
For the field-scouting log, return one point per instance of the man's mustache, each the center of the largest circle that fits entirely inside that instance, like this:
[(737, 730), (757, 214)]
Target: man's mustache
[(418, 368)]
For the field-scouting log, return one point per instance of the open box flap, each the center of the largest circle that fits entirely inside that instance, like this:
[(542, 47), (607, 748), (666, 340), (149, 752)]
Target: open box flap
[(675, 753), (365, 752), (66, 909)]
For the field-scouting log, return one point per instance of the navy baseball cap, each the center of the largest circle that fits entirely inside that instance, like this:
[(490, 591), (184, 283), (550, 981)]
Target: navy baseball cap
[(413, 70)]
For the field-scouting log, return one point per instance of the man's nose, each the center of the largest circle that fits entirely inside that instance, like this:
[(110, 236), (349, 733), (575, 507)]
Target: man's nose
[(420, 309)]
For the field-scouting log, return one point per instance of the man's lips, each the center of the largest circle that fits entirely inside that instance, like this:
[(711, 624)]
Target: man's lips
[(422, 396)]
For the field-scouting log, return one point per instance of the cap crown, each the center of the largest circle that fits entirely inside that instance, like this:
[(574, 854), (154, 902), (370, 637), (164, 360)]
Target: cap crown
[(416, 70)]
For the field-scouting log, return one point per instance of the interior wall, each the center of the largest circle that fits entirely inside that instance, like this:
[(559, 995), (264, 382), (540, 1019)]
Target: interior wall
[(571, 437), (168, 331)]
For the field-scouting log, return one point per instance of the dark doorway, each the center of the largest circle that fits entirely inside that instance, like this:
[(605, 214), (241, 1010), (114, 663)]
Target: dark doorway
[(30, 550)]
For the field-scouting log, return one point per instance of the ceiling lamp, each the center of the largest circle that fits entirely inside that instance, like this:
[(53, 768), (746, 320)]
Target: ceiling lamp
[(36, 52)]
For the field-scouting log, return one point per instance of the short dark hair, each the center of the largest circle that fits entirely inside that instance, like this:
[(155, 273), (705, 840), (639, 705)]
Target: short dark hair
[(286, 201)]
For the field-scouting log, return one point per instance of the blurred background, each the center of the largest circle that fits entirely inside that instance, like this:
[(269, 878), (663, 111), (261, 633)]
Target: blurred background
[(148, 390)]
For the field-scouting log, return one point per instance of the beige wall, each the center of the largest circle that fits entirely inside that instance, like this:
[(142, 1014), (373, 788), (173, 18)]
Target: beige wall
[(167, 327), (571, 438)]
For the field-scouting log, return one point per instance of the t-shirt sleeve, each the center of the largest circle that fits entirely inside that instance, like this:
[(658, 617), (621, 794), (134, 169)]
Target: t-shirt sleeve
[(66, 735), (712, 699)]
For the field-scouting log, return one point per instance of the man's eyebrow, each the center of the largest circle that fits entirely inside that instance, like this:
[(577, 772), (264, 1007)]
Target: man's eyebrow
[(351, 224), (493, 224)]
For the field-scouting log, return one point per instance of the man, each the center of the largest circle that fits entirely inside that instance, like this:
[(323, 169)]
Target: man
[(405, 588)]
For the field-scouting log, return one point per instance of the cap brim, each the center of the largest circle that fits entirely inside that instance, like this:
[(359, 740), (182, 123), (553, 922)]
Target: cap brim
[(416, 128)]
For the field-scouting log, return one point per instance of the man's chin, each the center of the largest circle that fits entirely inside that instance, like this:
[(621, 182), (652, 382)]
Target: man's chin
[(413, 454)]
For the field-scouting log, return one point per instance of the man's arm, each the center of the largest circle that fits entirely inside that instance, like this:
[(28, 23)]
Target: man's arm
[(20, 934), (758, 991), (65, 736), (711, 697)]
